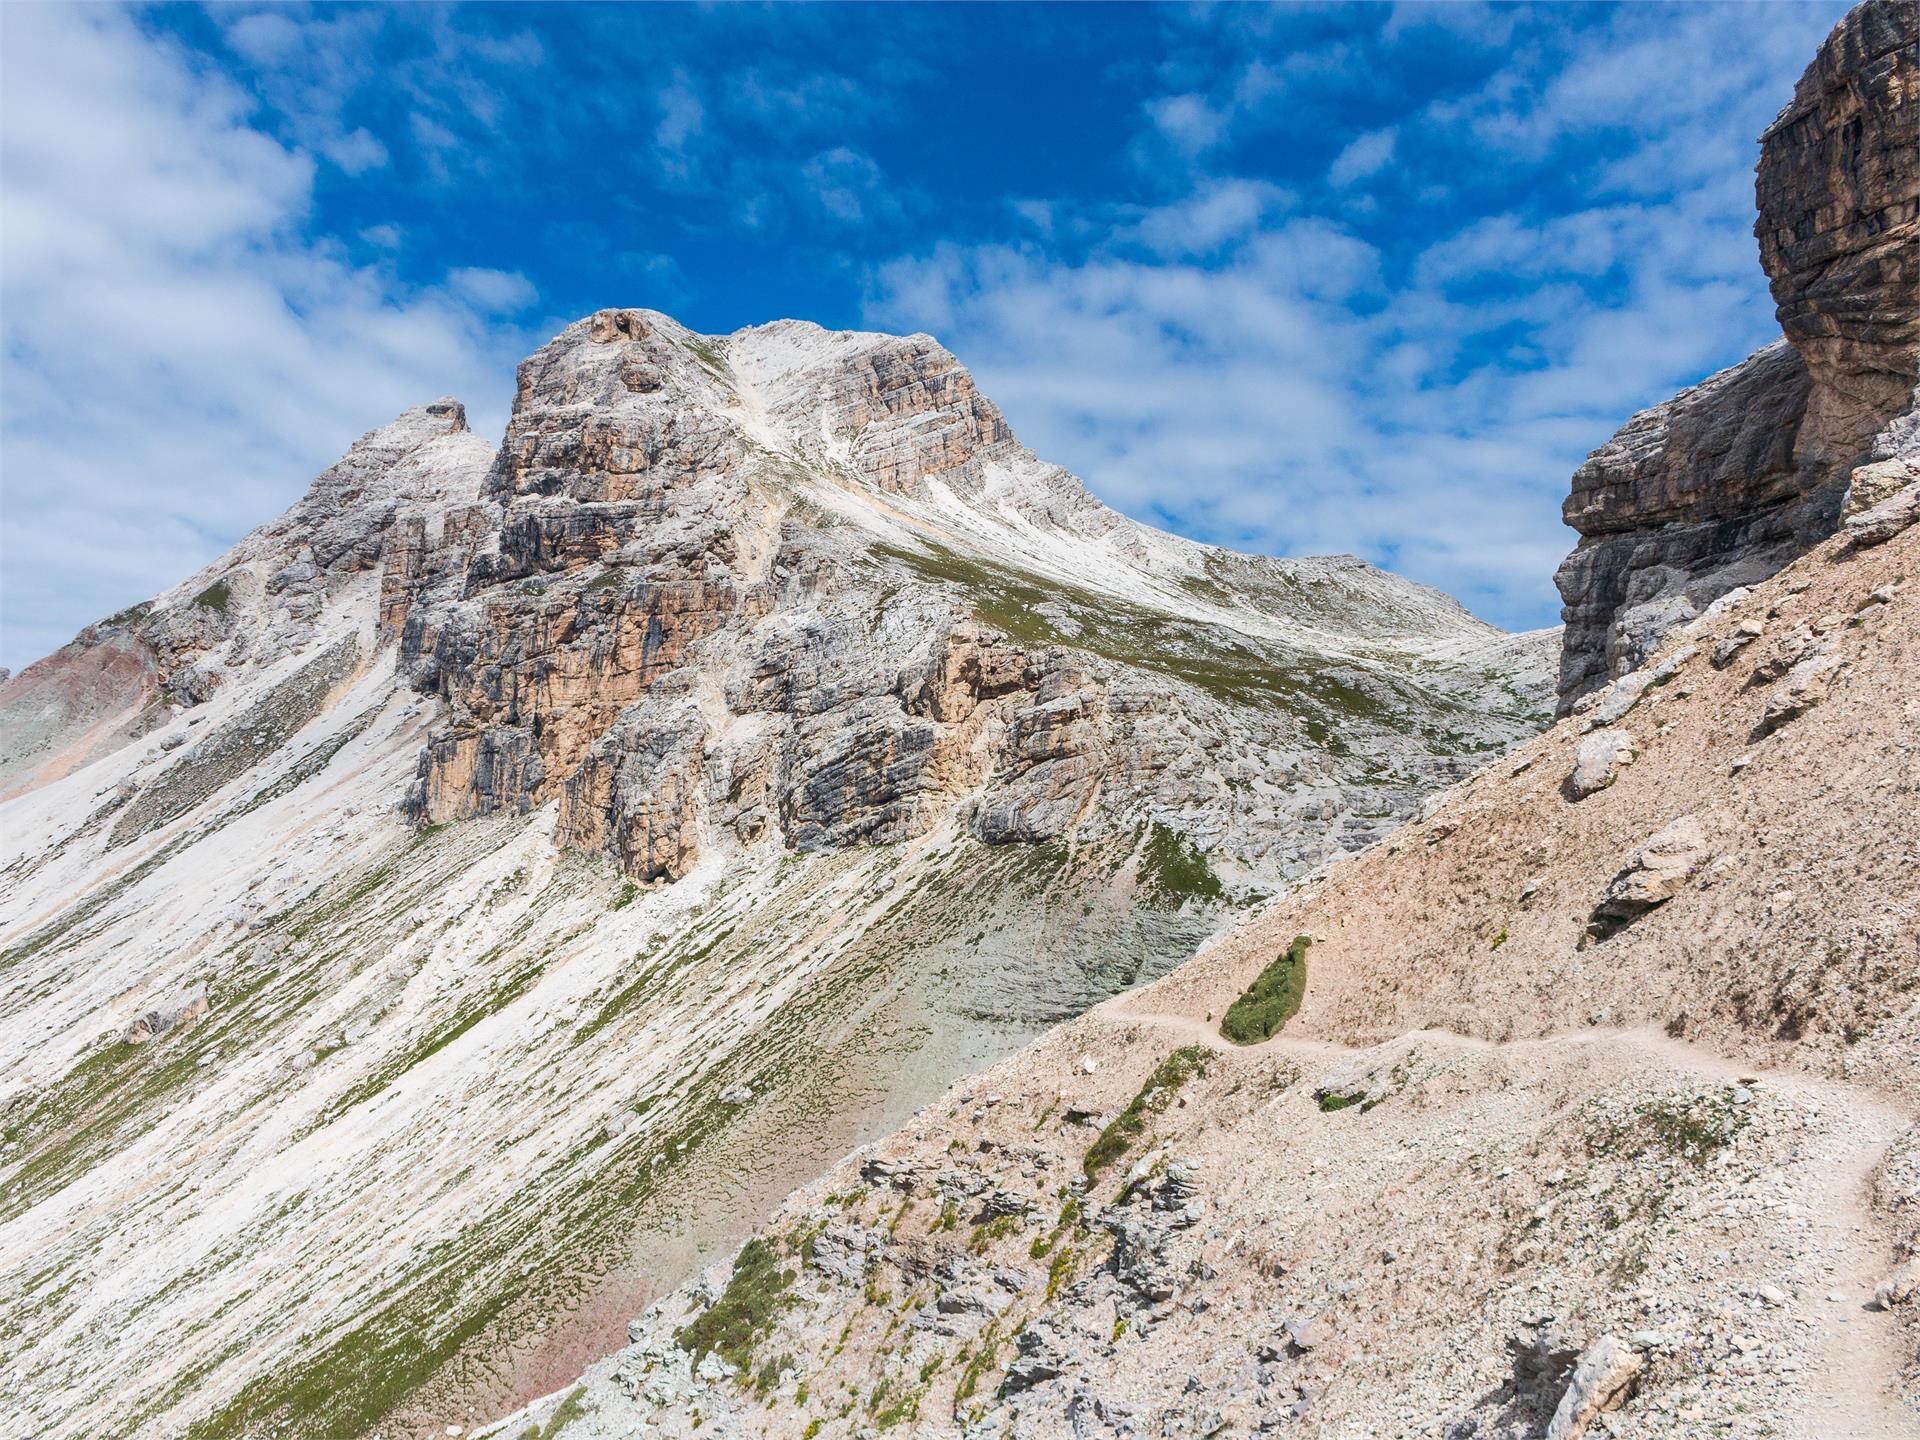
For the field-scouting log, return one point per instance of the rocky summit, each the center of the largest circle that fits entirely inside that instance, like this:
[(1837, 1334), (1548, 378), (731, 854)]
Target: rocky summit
[(434, 926)]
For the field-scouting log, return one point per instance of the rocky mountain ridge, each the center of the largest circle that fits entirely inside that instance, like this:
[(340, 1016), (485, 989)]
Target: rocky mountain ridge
[(435, 924), (1596, 1111), (1583, 1104)]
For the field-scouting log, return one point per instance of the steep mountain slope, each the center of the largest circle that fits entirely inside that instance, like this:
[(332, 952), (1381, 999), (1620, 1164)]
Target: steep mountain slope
[(432, 927), (1601, 1097)]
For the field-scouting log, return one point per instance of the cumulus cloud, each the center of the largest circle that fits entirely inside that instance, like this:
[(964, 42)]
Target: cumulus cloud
[(1364, 155), (1216, 212), (1415, 387), (180, 357)]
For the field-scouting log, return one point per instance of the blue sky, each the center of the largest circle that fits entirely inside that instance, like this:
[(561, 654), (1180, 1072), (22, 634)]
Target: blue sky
[(1366, 278)]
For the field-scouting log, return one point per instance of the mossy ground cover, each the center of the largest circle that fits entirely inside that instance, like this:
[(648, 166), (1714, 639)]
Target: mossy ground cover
[(1175, 870), (1237, 669), (1272, 1000), (1693, 1128), (1130, 1124)]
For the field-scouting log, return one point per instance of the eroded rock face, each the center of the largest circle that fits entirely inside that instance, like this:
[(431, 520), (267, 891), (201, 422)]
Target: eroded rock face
[(790, 584), (1838, 189), (1730, 480)]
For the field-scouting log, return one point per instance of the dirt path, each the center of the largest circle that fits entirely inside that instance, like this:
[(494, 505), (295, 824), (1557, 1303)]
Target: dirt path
[(1853, 1355)]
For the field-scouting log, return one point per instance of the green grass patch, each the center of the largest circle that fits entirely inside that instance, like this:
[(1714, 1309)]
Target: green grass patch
[(564, 1414), (984, 1357), (132, 615), (756, 1293), (1174, 869), (216, 596), (1272, 1000), (1331, 1103), (1131, 1123)]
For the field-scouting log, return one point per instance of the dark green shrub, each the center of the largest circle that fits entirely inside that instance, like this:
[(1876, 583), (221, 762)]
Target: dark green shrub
[(1272, 1000), (745, 1311), (1128, 1126)]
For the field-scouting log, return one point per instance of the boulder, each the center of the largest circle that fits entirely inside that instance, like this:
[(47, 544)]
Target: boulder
[(1654, 873), (1804, 687), (182, 1007), (1601, 1381), (1880, 524), (1598, 762)]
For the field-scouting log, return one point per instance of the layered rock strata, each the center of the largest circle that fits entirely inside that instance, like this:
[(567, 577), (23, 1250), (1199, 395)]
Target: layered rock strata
[(1726, 482), (801, 585)]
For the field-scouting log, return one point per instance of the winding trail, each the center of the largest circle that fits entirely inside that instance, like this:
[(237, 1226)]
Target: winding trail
[(1854, 1354)]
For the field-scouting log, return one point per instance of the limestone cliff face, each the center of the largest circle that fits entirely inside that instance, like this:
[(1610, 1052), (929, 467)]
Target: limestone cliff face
[(797, 585), (1729, 480)]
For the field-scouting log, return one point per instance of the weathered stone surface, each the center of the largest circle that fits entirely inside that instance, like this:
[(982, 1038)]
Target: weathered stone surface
[(169, 1013), (1882, 522), (1598, 761), (1838, 189), (1728, 481), (721, 589), (1803, 687)]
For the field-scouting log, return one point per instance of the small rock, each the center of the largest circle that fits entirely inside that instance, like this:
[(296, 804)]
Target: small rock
[(1804, 687), (1617, 699), (1731, 644), (1899, 1287), (1308, 1332)]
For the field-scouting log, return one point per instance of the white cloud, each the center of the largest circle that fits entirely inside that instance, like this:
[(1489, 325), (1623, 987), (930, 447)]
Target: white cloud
[(498, 292), (180, 360), (1188, 122), (848, 186), (355, 152), (682, 118), (1218, 211), (1364, 155)]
